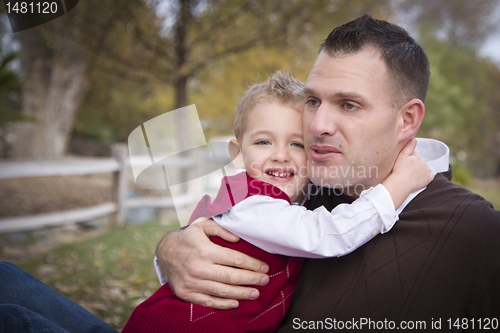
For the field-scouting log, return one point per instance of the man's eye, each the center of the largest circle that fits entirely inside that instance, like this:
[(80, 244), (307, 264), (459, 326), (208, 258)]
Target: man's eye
[(349, 106), (313, 102), (263, 142), (298, 144)]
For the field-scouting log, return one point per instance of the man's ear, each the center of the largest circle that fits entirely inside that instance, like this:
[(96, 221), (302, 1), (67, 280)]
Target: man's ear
[(411, 116), (235, 152)]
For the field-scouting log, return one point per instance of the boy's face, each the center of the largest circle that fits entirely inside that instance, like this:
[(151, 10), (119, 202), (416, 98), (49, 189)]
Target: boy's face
[(273, 148)]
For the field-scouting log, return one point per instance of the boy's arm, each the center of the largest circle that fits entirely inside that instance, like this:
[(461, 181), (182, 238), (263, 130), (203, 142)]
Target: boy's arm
[(276, 227)]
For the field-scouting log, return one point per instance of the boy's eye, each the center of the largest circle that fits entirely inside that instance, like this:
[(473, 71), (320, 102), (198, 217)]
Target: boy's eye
[(298, 144), (263, 142)]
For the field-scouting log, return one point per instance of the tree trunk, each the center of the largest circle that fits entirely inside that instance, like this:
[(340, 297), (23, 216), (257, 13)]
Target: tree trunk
[(182, 79), (181, 120), (53, 89)]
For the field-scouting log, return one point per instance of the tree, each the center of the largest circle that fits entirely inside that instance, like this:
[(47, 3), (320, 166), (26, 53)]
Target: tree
[(53, 88), (462, 105), (460, 22), (10, 99), (56, 58), (10, 90)]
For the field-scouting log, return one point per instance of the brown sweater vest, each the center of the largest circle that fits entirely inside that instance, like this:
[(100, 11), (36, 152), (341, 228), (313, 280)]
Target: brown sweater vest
[(440, 261)]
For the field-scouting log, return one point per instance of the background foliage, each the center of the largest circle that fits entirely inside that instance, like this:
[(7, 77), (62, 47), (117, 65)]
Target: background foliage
[(145, 58)]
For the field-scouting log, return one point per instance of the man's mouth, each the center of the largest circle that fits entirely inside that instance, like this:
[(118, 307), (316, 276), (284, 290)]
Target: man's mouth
[(323, 152)]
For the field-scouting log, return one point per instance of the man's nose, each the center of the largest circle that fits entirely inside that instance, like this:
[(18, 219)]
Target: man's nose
[(324, 122)]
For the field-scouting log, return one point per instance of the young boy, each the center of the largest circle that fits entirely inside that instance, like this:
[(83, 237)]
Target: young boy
[(268, 128)]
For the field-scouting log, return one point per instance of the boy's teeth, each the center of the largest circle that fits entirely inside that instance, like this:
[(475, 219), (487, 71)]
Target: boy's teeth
[(280, 174)]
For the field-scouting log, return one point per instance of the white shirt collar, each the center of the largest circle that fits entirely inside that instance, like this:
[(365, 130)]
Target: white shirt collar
[(435, 153), (437, 156)]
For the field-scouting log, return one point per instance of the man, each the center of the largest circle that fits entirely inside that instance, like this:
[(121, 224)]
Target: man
[(440, 263)]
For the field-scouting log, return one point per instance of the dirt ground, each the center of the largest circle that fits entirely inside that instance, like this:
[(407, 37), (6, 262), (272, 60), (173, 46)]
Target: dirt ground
[(28, 196), (31, 196), (36, 195)]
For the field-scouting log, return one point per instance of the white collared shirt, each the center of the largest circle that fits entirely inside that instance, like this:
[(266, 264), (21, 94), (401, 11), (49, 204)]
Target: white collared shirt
[(277, 227)]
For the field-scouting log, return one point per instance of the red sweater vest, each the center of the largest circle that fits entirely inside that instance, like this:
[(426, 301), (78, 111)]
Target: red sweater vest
[(164, 312)]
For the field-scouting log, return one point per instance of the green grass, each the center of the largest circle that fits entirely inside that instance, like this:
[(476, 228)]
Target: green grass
[(109, 275)]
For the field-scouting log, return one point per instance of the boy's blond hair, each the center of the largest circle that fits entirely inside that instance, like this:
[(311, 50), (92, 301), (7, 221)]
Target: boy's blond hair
[(280, 87)]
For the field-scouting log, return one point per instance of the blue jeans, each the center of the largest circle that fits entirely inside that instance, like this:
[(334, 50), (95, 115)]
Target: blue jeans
[(28, 305)]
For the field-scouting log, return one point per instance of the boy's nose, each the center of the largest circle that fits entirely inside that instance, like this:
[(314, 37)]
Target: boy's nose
[(281, 154)]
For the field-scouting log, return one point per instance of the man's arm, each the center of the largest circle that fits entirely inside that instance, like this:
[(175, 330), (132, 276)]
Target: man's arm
[(201, 272)]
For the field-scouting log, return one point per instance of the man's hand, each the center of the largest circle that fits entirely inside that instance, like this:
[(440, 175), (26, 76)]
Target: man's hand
[(199, 271)]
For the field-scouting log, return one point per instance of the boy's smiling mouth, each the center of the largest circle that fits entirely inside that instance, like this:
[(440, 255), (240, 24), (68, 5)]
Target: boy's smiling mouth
[(280, 174)]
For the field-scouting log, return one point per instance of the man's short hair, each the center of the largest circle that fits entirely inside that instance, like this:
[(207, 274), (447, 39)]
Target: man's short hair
[(280, 87), (405, 59)]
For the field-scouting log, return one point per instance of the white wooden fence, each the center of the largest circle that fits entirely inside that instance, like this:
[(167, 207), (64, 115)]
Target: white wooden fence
[(72, 166)]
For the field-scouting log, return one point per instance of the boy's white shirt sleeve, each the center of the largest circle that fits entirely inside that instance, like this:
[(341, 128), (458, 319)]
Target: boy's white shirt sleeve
[(278, 227), (161, 277)]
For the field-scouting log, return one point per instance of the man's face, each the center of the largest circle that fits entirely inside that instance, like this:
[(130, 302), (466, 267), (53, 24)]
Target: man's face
[(350, 122)]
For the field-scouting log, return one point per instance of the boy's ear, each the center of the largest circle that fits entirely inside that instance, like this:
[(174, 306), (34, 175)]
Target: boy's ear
[(235, 152), (412, 114)]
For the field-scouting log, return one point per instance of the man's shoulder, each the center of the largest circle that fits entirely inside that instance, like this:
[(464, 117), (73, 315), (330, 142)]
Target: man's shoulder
[(449, 206), (442, 193)]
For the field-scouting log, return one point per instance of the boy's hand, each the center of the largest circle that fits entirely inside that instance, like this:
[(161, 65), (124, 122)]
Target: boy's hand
[(410, 174), (202, 272), (411, 169)]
